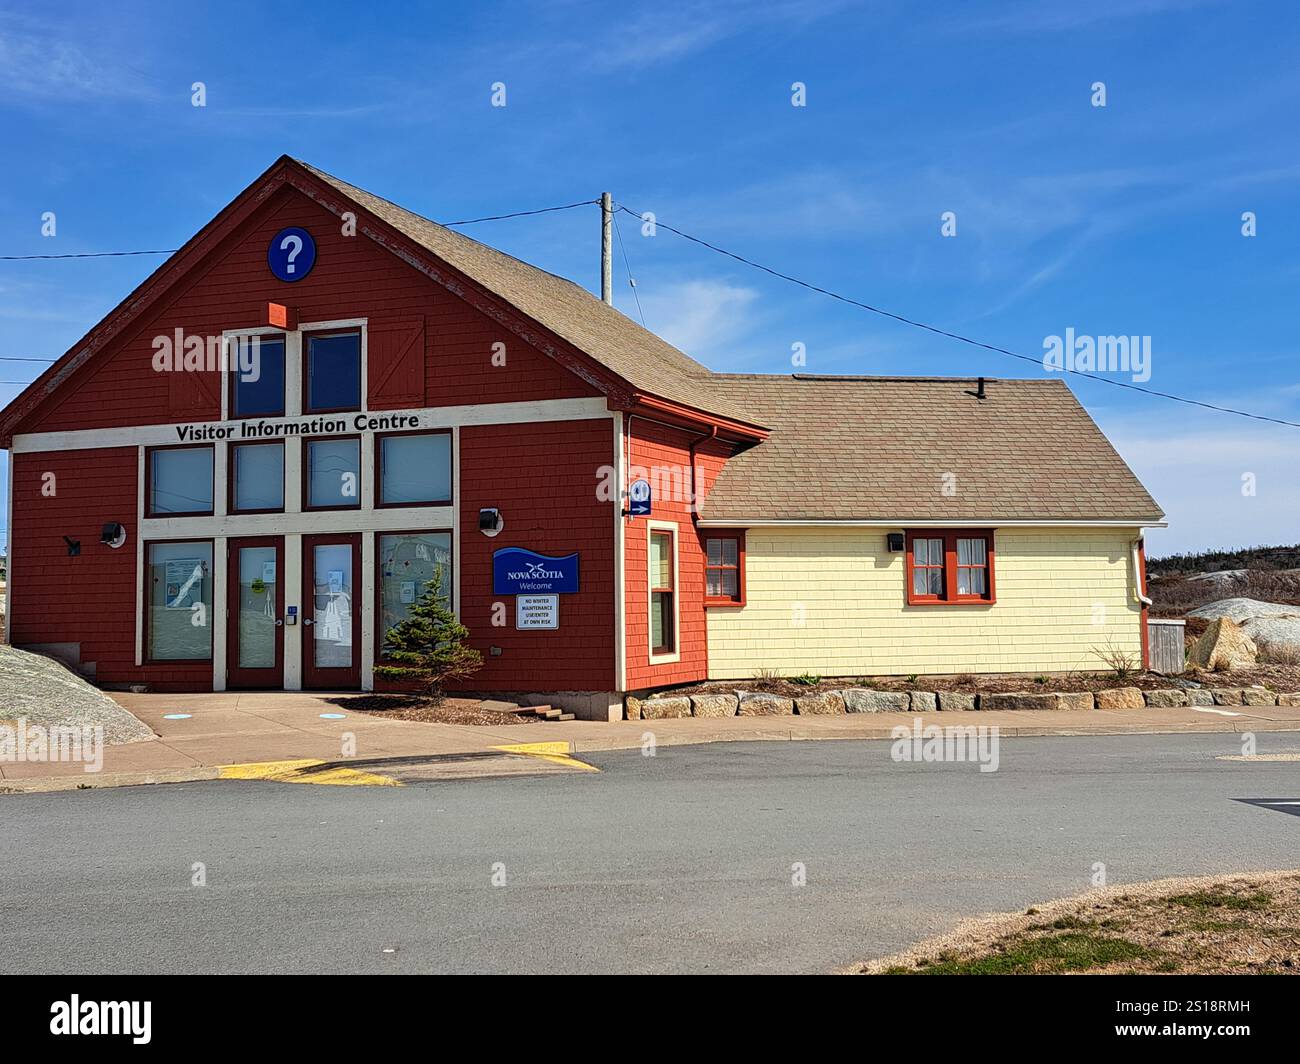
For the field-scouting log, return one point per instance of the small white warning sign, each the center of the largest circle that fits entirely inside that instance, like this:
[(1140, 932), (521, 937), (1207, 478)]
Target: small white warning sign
[(537, 611)]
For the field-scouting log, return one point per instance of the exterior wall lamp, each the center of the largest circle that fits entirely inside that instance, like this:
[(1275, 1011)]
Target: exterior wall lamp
[(113, 534)]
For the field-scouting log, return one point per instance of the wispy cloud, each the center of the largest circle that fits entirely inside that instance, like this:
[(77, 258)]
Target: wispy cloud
[(38, 64), (668, 35), (1051, 16), (705, 318), (1197, 463)]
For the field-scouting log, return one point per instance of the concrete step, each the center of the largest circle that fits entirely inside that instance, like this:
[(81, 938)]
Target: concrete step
[(503, 707)]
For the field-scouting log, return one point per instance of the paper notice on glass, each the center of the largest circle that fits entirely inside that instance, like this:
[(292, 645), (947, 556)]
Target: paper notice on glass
[(182, 583)]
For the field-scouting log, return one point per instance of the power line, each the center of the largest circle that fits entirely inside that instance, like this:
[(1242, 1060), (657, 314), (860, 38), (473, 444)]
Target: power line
[(957, 336), (110, 254), (523, 213), (631, 282), (85, 255), (172, 251)]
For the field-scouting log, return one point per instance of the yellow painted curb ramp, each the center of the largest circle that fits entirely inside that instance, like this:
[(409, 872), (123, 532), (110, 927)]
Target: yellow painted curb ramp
[(305, 771), (555, 753)]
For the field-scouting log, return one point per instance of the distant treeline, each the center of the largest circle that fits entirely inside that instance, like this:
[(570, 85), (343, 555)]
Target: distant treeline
[(1213, 561)]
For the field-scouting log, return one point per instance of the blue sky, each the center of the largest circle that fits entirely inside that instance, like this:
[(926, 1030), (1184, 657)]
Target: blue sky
[(1115, 220)]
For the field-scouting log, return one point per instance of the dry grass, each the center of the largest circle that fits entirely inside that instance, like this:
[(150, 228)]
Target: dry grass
[(1121, 663), (1174, 596), (1279, 654), (1224, 925)]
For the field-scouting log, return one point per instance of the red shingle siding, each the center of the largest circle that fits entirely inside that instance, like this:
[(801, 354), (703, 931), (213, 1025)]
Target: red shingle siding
[(90, 599), (662, 454), (352, 278), (544, 479)]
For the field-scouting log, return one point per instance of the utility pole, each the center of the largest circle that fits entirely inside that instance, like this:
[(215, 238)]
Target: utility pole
[(607, 248)]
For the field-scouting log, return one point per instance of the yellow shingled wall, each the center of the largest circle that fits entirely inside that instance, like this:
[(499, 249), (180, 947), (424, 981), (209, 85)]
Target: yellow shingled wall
[(831, 601)]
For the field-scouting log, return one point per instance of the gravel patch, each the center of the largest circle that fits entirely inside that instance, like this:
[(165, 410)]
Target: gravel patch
[(45, 693), (425, 709)]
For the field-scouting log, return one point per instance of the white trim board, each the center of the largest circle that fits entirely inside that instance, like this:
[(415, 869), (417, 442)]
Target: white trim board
[(393, 519), (652, 526), (620, 556), (430, 417)]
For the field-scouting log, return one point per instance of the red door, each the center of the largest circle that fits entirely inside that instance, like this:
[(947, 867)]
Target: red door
[(331, 632), (255, 612)]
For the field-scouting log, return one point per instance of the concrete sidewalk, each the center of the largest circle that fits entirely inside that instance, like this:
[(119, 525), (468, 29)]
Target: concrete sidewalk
[(242, 728)]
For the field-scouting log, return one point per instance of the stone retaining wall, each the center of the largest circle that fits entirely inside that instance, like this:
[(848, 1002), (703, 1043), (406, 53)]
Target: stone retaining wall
[(868, 700)]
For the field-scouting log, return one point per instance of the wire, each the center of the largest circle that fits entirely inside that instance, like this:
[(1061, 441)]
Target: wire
[(172, 251), (630, 281), (85, 255), (110, 254), (522, 214), (958, 336)]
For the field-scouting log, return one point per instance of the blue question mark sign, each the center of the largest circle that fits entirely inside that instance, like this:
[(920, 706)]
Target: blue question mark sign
[(292, 254)]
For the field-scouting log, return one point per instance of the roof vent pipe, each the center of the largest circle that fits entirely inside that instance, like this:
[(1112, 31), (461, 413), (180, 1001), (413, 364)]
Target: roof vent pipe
[(979, 389)]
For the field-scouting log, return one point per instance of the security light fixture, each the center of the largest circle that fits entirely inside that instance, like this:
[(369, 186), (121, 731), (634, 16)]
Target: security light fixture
[(895, 542), (113, 534), (489, 521)]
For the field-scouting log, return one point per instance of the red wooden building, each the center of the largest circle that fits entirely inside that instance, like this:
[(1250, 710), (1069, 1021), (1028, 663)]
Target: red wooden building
[(244, 475)]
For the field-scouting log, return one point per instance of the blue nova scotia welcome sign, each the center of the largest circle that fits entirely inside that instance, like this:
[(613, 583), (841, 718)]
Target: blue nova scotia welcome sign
[(516, 571)]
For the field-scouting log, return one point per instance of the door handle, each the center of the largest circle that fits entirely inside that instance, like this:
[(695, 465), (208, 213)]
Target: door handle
[(279, 623), (308, 621)]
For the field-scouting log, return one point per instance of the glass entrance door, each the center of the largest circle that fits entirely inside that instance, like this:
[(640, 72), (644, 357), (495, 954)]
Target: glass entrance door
[(255, 612), (331, 612)]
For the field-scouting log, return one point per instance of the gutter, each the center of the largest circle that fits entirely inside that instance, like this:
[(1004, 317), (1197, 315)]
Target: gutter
[(965, 522), (695, 488), (1138, 574)]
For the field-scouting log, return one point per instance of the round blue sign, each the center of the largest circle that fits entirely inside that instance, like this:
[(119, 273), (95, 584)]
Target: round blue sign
[(292, 254)]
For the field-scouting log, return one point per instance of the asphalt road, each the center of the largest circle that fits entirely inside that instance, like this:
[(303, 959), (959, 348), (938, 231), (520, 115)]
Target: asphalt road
[(680, 862)]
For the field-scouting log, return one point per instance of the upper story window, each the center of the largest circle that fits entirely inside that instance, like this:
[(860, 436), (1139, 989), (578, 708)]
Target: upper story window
[(179, 480), (332, 372), (257, 377), (414, 469), (949, 567), (332, 471)]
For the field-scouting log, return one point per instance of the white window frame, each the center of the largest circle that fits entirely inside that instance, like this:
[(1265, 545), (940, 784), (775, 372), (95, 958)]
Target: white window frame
[(676, 653)]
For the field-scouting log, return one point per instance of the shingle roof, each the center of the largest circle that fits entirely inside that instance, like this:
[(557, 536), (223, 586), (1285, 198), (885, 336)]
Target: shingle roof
[(878, 448), (594, 327)]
